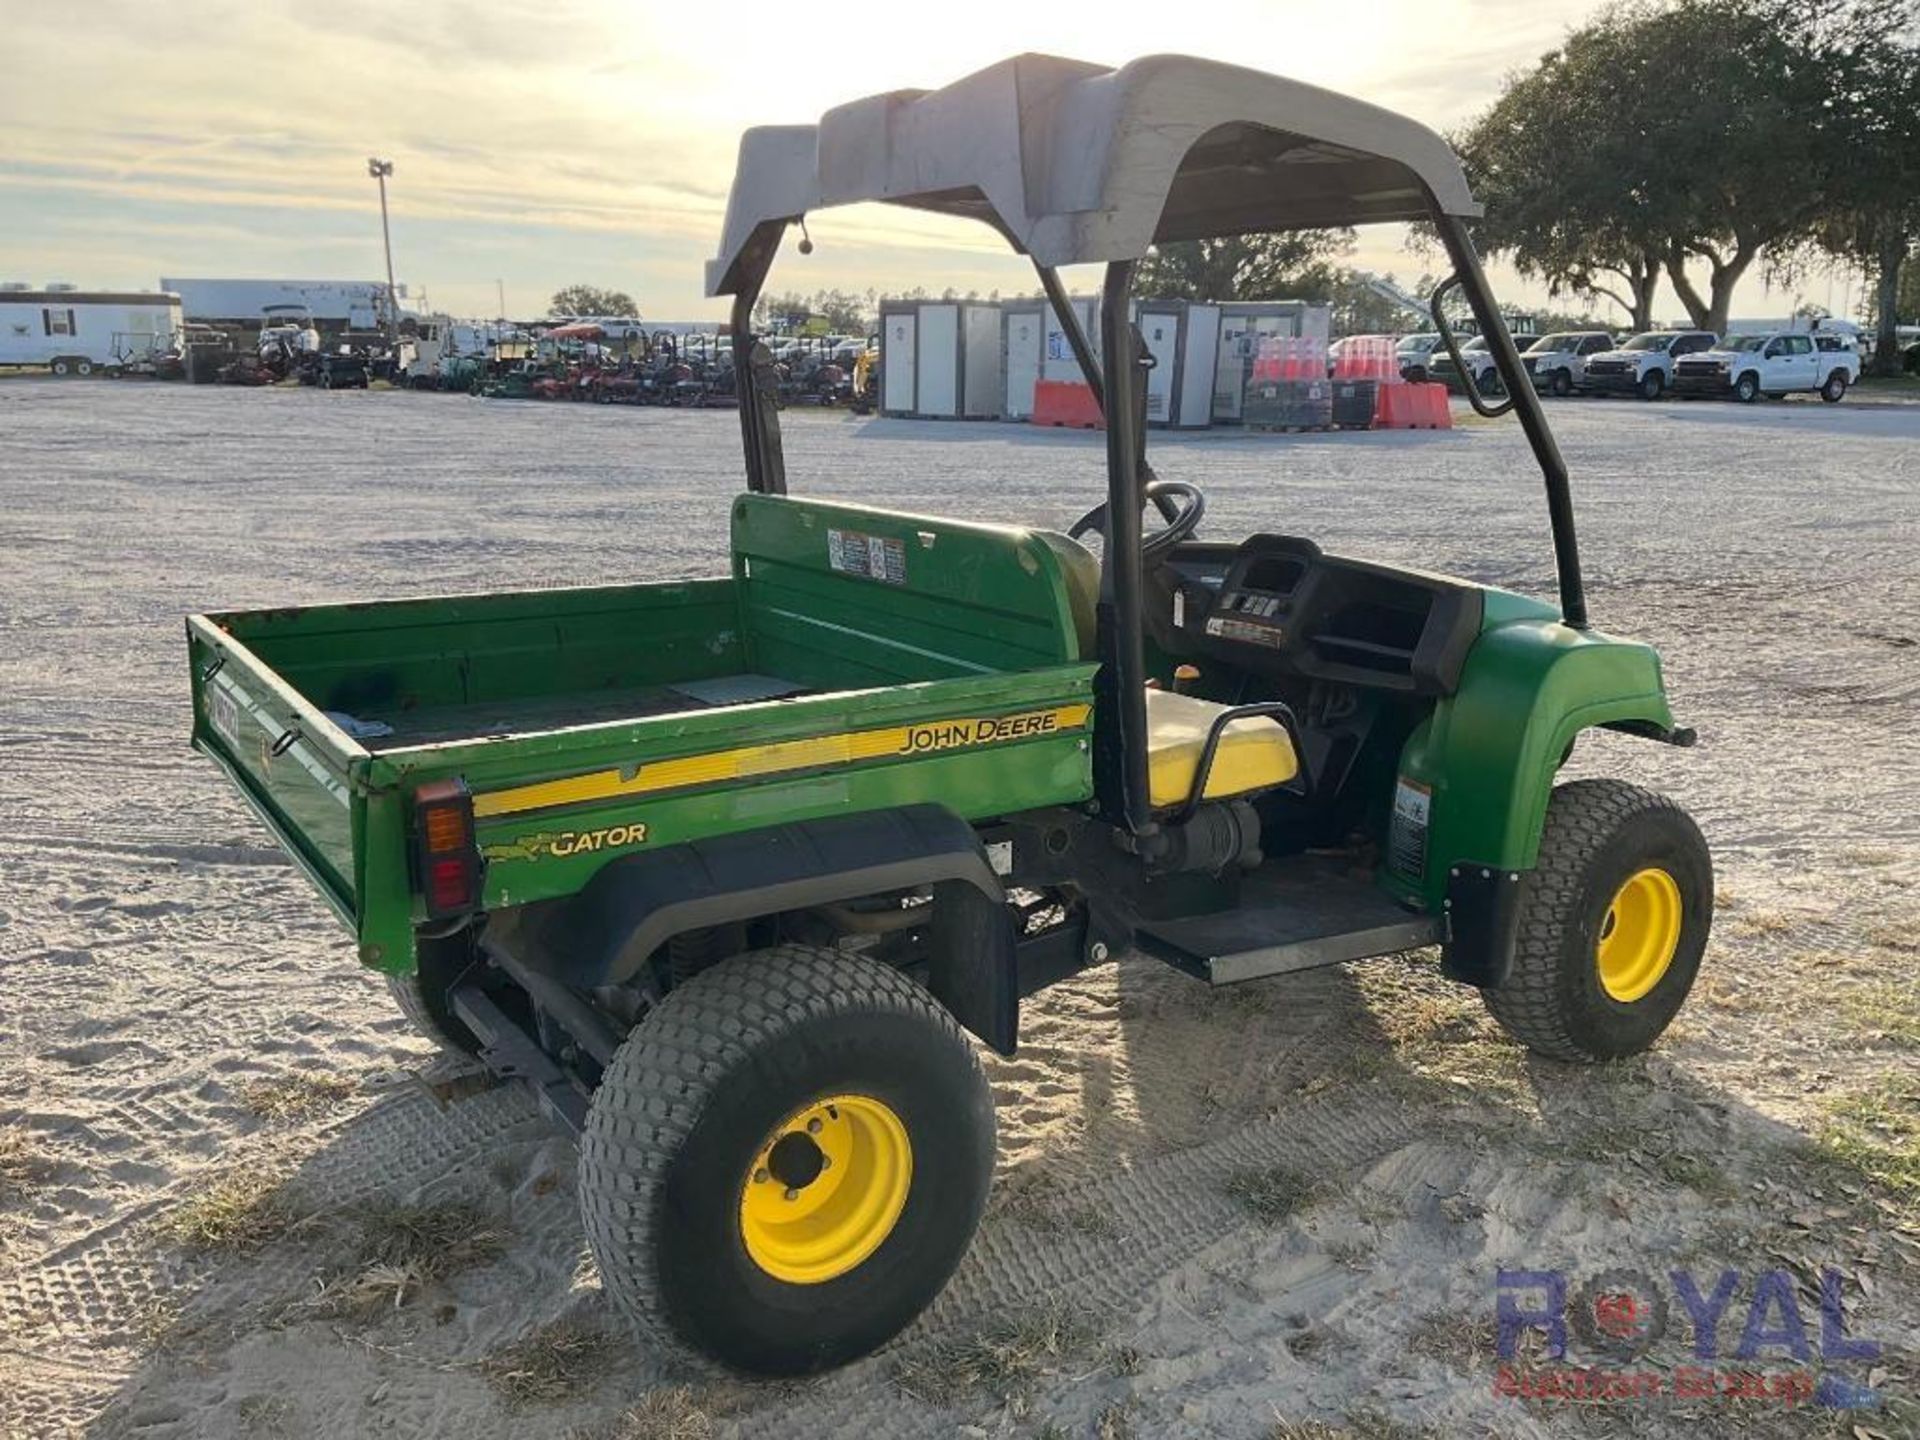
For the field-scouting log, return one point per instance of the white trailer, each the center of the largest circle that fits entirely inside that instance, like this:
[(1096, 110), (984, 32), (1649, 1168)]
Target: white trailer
[(74, 332), (332, 304)]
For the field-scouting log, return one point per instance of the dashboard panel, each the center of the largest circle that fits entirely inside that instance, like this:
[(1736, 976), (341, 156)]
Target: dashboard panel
[(1278, 603)]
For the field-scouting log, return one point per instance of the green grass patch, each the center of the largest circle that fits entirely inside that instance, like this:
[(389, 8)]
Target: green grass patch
[(1889, 385), (406, 1248), (1004, 1358), (1271, 1193), (678, 1412), (1877, 1134), (297, 1095), (238, 1212), (557, 1361), (1889, 1010)]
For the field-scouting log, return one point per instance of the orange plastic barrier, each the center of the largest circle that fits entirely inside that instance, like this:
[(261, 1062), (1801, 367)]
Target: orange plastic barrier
[(1413, 407), (1066, 403)]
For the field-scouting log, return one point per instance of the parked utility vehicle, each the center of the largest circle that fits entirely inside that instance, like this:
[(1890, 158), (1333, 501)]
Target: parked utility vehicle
[(1557, 363), (1779, 363), (1644, 365), (726, 869)]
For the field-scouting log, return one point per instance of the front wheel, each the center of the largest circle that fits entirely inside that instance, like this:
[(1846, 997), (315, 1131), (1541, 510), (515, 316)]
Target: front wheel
[(1613, 926), (1835, 390), (786, 1160), (1747, 388), (1652, 385), (1562, 383)]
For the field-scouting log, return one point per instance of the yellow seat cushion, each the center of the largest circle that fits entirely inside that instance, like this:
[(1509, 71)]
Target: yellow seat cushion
[(1253, 754)]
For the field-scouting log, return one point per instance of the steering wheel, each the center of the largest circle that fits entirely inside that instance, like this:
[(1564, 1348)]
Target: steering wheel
[(1182, 505)]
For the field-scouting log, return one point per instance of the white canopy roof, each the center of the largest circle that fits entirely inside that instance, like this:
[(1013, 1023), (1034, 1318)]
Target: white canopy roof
[(1075, 162)]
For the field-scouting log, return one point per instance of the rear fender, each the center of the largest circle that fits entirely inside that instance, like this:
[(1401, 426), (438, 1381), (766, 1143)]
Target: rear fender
[(635, 904)]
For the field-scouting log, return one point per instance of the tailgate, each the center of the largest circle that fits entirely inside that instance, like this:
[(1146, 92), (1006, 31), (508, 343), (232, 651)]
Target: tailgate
[(292, 765)]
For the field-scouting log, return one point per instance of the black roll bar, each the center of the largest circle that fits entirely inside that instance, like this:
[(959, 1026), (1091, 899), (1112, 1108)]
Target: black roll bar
[(1524, 401), (1120, 689), (1075, 332), (759, 406)]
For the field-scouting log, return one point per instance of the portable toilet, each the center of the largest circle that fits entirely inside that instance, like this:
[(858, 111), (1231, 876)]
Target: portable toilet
[(1022, 343), (899, 356), (937, 373), (1184, 341), (1056, 353), (982, 393)]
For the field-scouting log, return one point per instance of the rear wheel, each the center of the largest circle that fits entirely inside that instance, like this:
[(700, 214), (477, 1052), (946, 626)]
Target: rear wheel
[(1613, 927), (786, 1160), (1835, 390), (422, 995), (61, 367)]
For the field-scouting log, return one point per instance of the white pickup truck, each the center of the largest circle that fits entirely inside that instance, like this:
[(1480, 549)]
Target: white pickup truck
[(1780, 362), (1558, 362), (1644, 365)]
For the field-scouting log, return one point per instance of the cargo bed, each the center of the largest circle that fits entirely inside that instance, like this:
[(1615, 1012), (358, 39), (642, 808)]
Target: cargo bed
[(941, 660)]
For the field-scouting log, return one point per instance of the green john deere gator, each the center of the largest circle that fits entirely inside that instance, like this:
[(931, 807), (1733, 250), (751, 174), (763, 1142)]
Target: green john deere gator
[(727, 871)]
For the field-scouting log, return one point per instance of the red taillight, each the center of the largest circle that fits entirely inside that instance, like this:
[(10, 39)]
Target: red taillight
[(449, 864)]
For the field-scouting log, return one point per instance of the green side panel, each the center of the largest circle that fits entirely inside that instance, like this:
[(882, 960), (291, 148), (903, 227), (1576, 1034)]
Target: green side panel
[(1046, 769), (521, 865), (838, 595), (1489, 753), (399, 660)]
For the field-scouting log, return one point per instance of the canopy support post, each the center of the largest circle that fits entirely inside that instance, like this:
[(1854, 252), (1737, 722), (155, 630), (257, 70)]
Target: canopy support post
[(759, 405), (1525, 401), (1075, 332), (1120, 688)]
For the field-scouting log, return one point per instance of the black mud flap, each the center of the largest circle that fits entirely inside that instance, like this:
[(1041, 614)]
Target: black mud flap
[(1483, 920), (972, 970)]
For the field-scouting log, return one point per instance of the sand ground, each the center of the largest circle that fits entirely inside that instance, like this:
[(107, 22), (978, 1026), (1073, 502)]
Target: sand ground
[(231, 1205)]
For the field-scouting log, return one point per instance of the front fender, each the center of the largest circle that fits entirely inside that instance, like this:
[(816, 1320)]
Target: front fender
[(1488, 754)]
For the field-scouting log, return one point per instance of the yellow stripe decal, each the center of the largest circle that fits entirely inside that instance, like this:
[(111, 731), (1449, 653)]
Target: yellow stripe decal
[(752, 761)]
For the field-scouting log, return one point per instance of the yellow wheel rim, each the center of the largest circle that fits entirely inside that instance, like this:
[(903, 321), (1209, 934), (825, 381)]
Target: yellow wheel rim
[(1639, 935), (825, 1189)]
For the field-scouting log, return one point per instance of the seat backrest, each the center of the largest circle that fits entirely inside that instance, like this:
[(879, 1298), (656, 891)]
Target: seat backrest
[(842, 596)]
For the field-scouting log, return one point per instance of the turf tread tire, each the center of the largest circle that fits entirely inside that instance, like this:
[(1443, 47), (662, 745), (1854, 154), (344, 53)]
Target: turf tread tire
[(1585, 818), (411, 999), (665, 1078)]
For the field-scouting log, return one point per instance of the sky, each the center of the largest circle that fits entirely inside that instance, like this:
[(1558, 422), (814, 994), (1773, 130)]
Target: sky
[(592, 141)]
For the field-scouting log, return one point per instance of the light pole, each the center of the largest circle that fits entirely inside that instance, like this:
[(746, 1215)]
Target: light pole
[(380, 170)]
